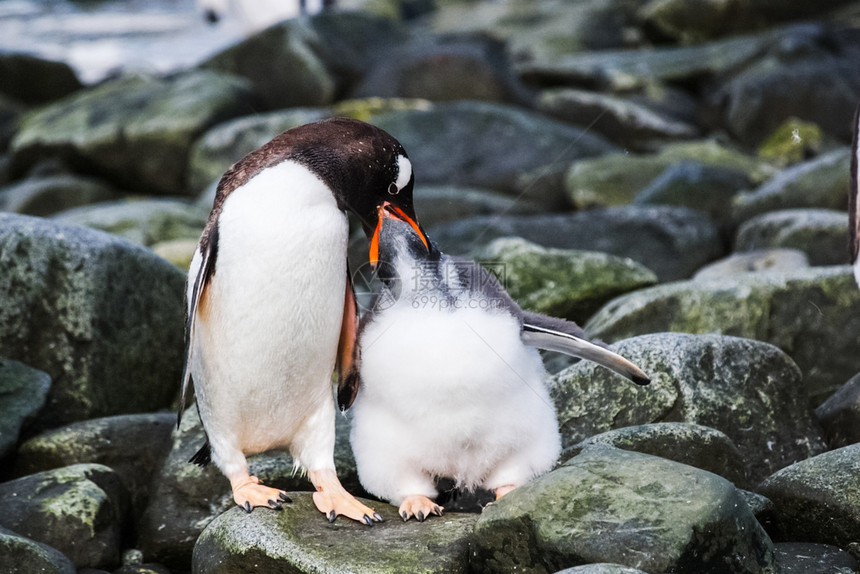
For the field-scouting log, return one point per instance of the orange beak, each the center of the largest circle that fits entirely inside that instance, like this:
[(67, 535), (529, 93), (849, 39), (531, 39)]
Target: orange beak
[(388, 210)]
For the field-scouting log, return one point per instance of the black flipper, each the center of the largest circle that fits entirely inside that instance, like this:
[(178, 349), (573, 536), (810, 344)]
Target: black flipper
[(566, 337), (208, 251)]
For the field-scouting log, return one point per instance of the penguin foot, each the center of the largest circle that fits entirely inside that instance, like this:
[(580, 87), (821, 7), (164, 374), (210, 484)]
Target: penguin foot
[(503, 490), (419, 506), (332, 499), (249, 493)]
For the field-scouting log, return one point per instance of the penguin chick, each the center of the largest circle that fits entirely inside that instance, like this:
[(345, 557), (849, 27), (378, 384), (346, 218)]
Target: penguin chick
[(447, 381), (271, 309)]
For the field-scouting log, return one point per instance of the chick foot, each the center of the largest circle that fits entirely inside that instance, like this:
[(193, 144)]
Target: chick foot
[(419, 506)]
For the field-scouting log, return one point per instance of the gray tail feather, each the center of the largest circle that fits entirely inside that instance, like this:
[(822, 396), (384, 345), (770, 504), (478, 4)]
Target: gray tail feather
[(565, 342)]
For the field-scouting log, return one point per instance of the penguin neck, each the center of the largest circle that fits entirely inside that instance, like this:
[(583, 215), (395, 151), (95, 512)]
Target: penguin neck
[(410, 271)]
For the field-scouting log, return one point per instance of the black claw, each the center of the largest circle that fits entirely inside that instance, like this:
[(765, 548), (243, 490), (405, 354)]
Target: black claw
[(420, 516), (275, 505), (332, 516), (377, 517), (368, 520), (284, 497), (437, 510), (404, 515), (247, 507)]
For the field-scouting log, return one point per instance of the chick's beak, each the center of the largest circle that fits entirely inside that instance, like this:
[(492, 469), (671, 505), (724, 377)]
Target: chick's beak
[(386, 209)]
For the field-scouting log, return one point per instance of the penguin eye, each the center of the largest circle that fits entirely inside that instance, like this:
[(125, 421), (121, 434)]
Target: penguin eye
[(392, 189)]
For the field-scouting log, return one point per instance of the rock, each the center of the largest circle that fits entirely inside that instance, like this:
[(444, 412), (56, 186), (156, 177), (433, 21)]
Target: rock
[(818, 183), (484, 144), (702, 19), (820, 233), (691, 444), (818, 500), (785, 260), (445, 68), (545, 30), (671, 241), (22, 394), (78, 510), (109, 128), (562, 282), (761, 507), (544, 186), (10, 116), (600, 569), (747, 389), (839, 415), (179, 252), (627, 508), (48, 195), (299, 540), (187, 497), (792, 142), (437, 204), (697, 186), (33, 80), (131, 445), (228, 142), (692, 22), (623, 70), (615, 179), (623, 122), (308, 62), (145, 222), (149, 568), (19, 555), (803, 557), (801, 312), (821, 87), (94, 312)]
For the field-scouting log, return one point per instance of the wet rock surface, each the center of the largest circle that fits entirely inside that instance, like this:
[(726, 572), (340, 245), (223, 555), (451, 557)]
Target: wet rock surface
[(608, 505)]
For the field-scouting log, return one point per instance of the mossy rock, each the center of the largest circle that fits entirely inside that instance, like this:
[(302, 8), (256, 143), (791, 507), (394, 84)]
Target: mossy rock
[(747, 389), (132, 445), (615, 179), (801, 312), (820, 233), (611, 505), (23, 392), (136, 131), (103, 317), (20, 555), (45, 196), (687, 443), (792, 142), (144, 222), (561, 282), (670, 241), (818, 499), (79, 510), (299, 539), (819, 183)]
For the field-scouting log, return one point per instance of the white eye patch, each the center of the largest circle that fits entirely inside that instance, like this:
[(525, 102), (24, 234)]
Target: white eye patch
[(404, 172)]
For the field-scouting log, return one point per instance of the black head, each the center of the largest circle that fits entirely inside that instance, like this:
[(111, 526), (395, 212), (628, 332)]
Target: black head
[(363, 165)]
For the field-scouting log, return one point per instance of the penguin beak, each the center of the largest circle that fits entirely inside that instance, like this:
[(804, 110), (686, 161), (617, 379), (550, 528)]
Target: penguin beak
[(389, 210)]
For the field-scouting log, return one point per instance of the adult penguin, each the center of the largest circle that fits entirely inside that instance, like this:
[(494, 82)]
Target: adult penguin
[(271, 308)]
